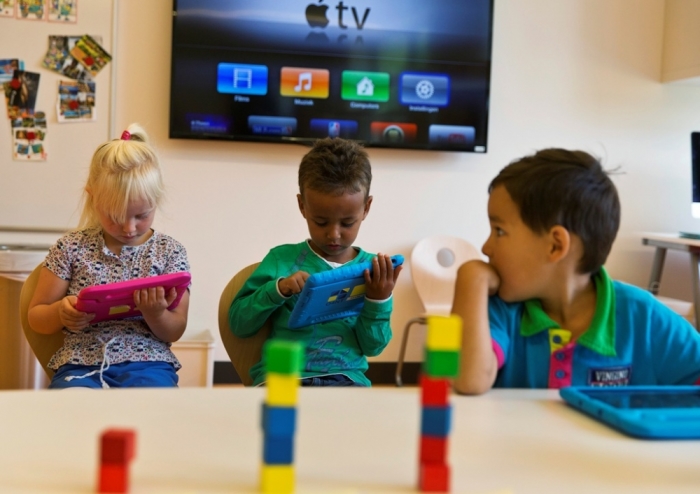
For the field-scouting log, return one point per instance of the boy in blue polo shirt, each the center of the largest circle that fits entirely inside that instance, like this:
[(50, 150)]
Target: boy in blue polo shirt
[(543, 312)]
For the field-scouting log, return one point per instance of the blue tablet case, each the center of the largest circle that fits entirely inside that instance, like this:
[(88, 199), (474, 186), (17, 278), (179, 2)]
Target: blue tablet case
[(333, 294), (647, 412)]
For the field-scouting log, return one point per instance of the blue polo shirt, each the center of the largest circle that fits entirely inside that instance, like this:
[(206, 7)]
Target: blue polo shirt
[(633, 339)]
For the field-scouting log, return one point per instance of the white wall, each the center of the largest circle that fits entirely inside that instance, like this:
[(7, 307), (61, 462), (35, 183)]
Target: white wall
[(571, 73)]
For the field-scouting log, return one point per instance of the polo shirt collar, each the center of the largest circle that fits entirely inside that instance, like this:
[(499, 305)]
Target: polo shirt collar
[(600, 335)]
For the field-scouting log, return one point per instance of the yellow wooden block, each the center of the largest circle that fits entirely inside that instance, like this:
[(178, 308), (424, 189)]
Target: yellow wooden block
[(444, 333), (277, 479), (282, 389)]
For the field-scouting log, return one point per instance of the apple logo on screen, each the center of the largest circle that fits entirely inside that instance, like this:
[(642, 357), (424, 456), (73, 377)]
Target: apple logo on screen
[(316, 15)]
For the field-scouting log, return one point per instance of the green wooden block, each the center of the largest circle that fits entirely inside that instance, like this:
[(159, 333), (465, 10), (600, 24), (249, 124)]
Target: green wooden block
[(441, 363), (284, 356)]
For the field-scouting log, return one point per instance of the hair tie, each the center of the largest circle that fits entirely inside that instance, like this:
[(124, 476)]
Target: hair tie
[(126, 135)]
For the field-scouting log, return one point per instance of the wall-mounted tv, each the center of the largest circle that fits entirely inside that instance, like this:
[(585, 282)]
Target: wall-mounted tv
[(389, 73)]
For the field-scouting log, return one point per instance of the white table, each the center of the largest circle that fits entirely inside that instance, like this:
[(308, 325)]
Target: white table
[(348, 441), (665, 241)]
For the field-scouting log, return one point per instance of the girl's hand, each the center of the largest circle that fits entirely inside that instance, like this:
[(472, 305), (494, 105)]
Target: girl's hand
[(380, 283), (154, 301), (71, 317)]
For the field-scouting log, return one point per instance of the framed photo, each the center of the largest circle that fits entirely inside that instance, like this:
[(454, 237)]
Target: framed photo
[(31, 10), (64, 11)]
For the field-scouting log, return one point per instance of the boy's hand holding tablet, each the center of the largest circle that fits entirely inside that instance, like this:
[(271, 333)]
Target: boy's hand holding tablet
[(341, 292), (293, 283), (380, 280)]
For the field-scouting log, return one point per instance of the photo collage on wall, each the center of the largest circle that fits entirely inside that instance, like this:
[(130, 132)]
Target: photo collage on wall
[(28, 138), (28, 126), (79, 58), (76, 58), (65, 11)]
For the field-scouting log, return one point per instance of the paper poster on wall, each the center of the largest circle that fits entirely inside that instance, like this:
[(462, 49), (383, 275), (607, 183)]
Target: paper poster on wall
[(76, 101), (8, 67), (7, 8), (20, 93), (89, 53), (65, 11), (31, 10), (59, 59), (29, 138)]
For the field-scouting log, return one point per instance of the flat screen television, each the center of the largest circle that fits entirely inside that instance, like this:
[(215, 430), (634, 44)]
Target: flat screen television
[(388, 73)]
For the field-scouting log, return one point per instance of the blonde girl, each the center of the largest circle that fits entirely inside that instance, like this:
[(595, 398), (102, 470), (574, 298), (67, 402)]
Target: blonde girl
[(114, 242)]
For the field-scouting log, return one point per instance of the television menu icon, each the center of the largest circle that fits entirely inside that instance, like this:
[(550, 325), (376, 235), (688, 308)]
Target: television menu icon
[(304, 82), (424, 89), (393, 132), (240, 78), (207, 123), (275, 126), (365, 86), (323, 127), (456, 136)]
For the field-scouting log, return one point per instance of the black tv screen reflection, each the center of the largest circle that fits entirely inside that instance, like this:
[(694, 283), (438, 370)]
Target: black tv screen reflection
[(388, 73)]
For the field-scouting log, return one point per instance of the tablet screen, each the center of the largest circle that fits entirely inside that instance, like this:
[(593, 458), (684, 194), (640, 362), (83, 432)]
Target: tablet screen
[(662, 398)]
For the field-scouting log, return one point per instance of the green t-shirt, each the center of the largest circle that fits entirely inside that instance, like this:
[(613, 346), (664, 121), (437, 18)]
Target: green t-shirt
[(335, 347)]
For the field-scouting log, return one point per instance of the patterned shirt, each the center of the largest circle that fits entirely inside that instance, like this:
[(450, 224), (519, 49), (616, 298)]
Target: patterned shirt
[(83, 259)]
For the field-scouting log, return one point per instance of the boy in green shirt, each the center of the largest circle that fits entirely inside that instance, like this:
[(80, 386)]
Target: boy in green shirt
[(334, 182)]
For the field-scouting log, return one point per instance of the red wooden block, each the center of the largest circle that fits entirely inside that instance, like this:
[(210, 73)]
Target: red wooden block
[(433, 450), (113, 478), (434, 478), (434, 391), (118, 446)]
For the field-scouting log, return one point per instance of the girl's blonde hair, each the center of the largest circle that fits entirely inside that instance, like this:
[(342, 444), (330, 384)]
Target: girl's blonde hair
[(122, 170)]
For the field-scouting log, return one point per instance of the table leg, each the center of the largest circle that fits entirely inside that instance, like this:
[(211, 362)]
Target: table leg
[(656, 269), (695, 275)]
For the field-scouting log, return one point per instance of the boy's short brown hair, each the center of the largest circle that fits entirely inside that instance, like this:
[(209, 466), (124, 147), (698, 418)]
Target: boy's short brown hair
[(568, 188), (335, 166)]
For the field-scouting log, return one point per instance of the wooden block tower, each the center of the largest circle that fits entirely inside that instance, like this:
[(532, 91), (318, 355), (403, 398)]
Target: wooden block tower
[(284, 360), (443, 343), (117, 449)]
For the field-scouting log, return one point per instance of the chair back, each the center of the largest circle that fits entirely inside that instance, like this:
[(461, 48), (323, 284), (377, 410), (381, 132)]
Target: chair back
[(243, 352), (434, 264), (44, 346)]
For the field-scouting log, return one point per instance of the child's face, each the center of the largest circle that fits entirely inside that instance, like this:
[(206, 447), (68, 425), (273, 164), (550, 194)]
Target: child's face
[(135, 230), (334, 222), (519, 255)]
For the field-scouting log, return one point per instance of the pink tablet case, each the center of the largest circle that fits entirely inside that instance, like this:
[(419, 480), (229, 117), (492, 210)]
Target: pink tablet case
[(116, 300)]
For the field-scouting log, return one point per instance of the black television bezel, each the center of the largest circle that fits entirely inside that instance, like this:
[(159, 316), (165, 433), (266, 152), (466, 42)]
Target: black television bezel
[(308, 141)]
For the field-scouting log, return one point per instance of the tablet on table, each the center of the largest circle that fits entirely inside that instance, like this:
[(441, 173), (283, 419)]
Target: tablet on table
[(116, 300), (333, 294), (649, 412)]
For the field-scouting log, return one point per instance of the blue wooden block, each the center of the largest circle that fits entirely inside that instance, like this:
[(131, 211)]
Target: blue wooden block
[(435, 421), (278, 450), (278, 421)]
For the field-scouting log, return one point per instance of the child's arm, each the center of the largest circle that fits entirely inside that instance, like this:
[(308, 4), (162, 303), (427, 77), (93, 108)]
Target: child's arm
[(476, 280), (50, 310), (372, 328), (260, 296), (168, 325)]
